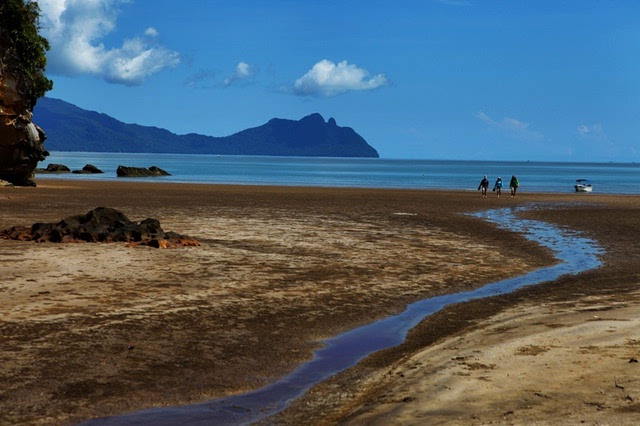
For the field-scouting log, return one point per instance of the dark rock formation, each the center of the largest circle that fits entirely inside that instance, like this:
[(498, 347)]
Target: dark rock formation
[(124, 171), (101, 225), (70, 128), (22, 82), (88, 169), (54, 168), (20, 140)]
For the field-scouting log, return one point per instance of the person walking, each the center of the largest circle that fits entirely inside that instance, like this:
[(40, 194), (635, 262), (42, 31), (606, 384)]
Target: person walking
[(514, 184), (484, 185), (497, 187)]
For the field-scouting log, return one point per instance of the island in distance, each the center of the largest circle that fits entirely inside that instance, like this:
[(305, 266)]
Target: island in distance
[(70, 128)]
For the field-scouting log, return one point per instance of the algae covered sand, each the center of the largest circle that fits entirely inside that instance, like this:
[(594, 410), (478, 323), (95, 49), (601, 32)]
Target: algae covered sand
[(92, 330)]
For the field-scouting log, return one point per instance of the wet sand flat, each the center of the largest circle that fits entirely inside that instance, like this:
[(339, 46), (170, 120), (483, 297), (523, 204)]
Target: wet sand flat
[(560, 352), (94, 330)]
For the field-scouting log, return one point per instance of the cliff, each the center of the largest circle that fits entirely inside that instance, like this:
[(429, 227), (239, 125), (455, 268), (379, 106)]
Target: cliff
[(22, 82), (20, 140), (70, 128)]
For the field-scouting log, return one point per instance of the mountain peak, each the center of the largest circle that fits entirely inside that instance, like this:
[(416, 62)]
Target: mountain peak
[(315, 117), (70, 128)]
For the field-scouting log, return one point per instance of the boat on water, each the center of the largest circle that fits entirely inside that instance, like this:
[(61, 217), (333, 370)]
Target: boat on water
[(583, 185)]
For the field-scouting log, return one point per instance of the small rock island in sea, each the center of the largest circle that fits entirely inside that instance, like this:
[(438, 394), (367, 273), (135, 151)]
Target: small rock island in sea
[(70, 128), (88, 169), (124, 171)]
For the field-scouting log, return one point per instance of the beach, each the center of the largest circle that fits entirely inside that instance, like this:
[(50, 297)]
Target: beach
[(93, 330)]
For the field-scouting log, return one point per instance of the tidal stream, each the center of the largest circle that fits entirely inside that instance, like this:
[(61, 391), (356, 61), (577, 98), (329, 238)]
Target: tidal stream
[(574, 252)]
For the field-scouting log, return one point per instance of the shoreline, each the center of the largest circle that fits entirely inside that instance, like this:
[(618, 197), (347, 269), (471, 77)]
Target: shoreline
[(275, 216), (156, 181), (544, 177), (470, 189)]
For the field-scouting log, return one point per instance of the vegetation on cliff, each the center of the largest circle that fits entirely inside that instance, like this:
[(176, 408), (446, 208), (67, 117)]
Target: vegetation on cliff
[(22, 82), (22, 49)]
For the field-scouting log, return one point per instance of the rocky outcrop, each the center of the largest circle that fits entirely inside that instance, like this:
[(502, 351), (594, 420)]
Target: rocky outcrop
[(100, 225), (88, 169), (124, 171), (20, 140), (54, 168)]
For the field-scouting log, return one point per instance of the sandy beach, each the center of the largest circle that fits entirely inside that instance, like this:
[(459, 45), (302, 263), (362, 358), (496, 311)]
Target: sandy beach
[(92, 330)]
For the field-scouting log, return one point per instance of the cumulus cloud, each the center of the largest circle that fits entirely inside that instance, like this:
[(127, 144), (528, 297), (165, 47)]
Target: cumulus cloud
[(510, 126), (243, 72), (75, 29), (329, 79), (151, 32)]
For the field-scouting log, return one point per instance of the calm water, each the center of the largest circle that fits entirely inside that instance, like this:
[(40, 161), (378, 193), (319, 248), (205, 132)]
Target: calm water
[(615, 178)]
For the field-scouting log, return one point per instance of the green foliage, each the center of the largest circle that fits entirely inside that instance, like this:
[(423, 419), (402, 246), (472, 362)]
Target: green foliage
[(22, 49)]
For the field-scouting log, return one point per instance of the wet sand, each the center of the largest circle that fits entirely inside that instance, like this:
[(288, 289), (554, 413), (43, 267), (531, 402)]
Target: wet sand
[(563, 352), (95, 330)]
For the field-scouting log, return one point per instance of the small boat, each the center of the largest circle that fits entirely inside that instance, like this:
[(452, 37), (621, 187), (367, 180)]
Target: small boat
[(583, 185)]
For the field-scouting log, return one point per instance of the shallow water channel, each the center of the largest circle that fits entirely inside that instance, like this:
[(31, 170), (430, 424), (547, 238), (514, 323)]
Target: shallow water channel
[(574, 252)]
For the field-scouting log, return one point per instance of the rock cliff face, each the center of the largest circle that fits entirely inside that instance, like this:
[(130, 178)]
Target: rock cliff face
[(20, 140), (22, 82)]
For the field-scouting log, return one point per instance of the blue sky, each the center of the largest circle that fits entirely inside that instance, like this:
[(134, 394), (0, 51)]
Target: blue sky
[(434, 79)]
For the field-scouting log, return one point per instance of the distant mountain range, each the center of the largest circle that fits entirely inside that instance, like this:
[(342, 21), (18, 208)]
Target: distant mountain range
[(70, 128)]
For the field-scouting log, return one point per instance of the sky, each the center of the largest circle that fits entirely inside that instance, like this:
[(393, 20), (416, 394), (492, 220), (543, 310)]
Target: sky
[(426, 79)]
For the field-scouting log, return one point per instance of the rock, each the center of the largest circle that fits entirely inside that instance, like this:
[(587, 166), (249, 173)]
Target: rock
[(20, 140), (22, 83), (54, 168), (124, 171), (157, 171), (100, 225), (88, 169)]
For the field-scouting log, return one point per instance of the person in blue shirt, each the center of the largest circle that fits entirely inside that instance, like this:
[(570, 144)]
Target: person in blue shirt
[(497, 188)]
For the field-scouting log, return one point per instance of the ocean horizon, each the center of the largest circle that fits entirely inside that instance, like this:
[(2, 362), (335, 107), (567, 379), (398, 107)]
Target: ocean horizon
[(534, 176)]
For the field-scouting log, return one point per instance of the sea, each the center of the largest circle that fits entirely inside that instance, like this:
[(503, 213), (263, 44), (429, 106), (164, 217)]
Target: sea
[(557, 177)]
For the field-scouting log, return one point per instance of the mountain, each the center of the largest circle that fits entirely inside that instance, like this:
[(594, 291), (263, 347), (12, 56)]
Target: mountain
[(70, 128)]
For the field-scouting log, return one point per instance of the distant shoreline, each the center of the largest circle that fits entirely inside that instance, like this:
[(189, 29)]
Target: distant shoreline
[(449, 160), (607, 178)]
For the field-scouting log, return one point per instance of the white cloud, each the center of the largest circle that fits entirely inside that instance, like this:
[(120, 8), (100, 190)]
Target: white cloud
[(582, 130), (75, 29), (510, 126), (593, 138), (151, 32), (329, 79), (593, 131), (243, 71)]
